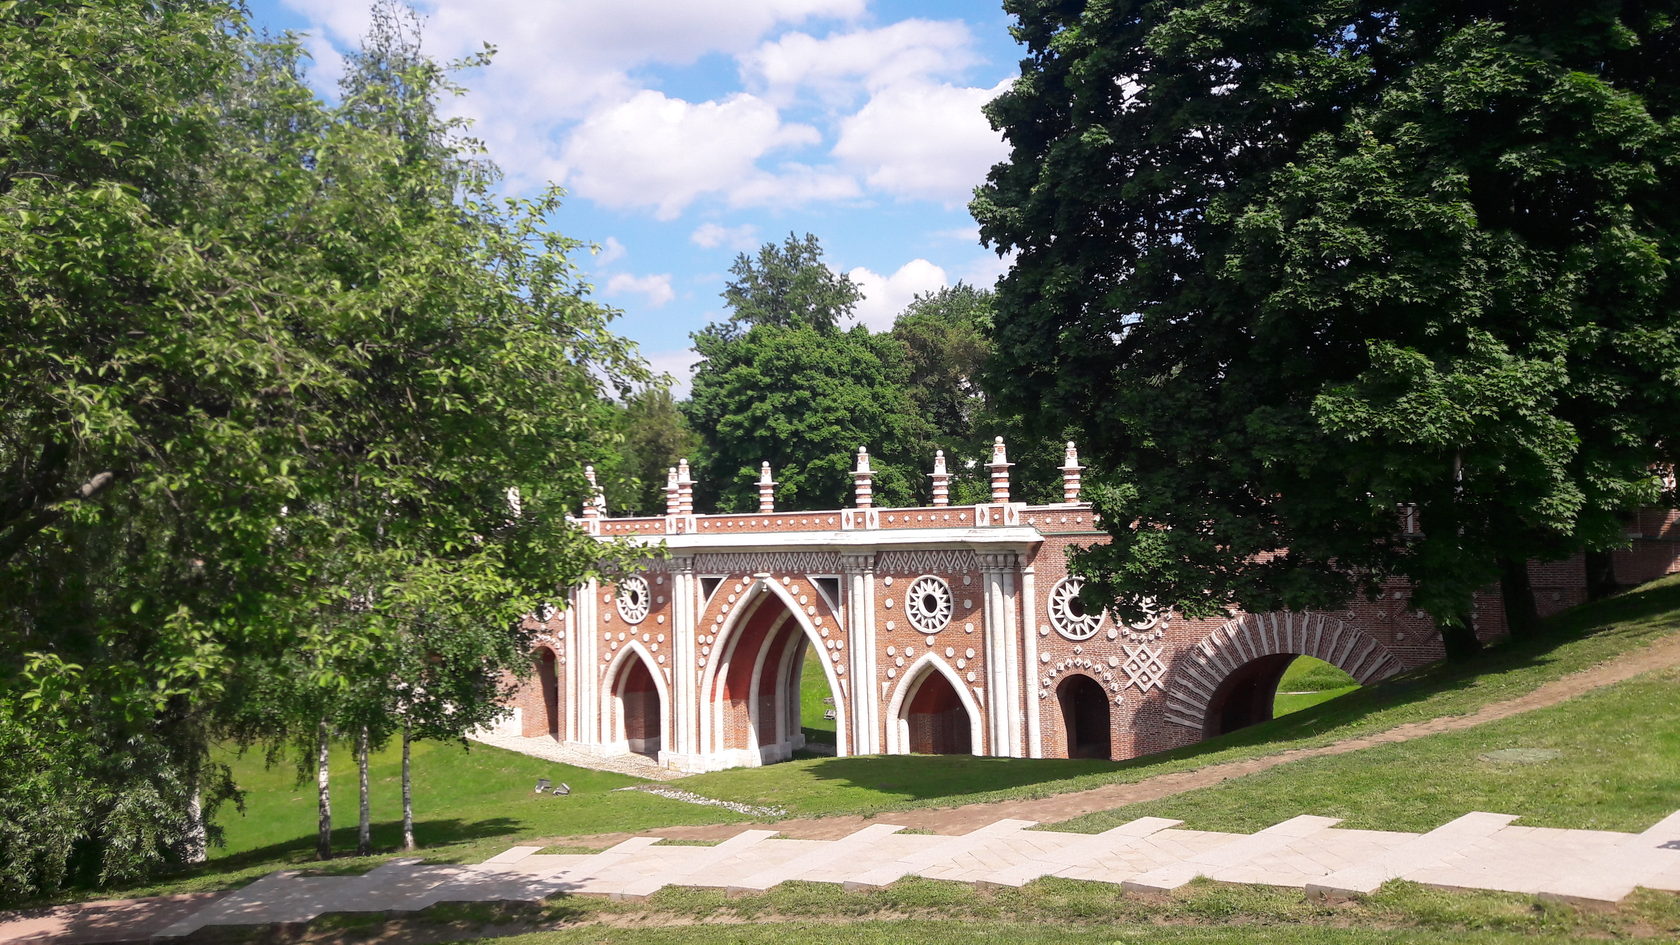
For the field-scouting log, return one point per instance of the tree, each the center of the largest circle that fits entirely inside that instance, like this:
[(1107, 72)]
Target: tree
[(787, 286), (804, 400), (654, 437), (1295, 268), (260, 352)]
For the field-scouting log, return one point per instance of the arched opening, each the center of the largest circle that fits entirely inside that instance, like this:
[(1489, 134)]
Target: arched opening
[(759, 691), (549, 676), (935, 718), (638, 707), (1085, 718), (1247, 696), (1309, 681)]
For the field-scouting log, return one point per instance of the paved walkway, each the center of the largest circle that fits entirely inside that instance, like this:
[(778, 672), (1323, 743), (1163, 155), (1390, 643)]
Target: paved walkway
[(639, 766), (1476, 851)]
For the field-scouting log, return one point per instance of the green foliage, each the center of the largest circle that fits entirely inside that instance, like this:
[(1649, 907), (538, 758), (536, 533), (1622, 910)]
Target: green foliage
[(272, 368), (804, 400), (788, 286), (654, 438), (1293, 267)]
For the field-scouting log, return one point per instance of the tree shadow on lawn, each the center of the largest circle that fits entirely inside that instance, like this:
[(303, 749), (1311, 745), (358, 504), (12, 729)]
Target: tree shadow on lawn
[(1633, 616)]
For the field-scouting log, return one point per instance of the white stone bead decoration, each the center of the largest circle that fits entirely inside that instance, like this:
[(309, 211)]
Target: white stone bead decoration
[(1068, 615), (969, 652), (887, 580), (659, 579), (927, 603), (898, 661), (968, 604), (606, 616), (961, 664), (659, 619), (967, 580), (892, 650), (622, 638), (660, 599), (891, 625), (970, 677), (889, 603), (930, 641), (950, 652)]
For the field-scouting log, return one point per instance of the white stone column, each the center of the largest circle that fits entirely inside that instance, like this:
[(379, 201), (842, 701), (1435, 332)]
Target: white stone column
[(588, 698), (1028, 671), (685, 734), (863, 707), (1003, 724)]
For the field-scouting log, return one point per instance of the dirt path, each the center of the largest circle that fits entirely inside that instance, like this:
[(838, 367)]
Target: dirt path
[(1663, 654)]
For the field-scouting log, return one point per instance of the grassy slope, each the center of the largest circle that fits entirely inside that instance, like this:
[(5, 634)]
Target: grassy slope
[(1572, 641), (1617, 768), (473, 804), (813, 689)]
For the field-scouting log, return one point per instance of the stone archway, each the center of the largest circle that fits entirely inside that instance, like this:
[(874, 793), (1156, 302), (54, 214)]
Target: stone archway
[(751, 701), (1086, 722), (549, 675), (932, 713), (638, 701), (1221, 683)]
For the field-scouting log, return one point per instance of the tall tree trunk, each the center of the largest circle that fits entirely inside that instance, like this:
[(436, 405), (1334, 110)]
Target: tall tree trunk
[(1601, 575), (407, 795), (323, 830), (1522, 620), (364, 825), (194, 844)]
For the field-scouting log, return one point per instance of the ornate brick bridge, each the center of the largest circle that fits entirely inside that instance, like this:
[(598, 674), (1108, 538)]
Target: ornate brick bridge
[(940, 629)]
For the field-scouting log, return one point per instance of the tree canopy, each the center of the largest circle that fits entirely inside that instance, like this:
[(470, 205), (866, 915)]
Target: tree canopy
[(787, 286), (1294, 268), (273, 367)]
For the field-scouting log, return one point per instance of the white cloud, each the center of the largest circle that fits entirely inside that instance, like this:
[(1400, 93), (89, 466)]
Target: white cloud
[(655, 289), (679, 365), (714, 235), (960, 234), (611, 251), (985, 270), (837, 66), (885, 296), (794, 184), (660, 152), (923, 140), (556, 63)]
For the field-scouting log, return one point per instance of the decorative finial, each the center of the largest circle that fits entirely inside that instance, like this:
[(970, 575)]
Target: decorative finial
[(941, 480), (1070, 474), (685, 489), (864, 480), (766, 489), (1000, 472)]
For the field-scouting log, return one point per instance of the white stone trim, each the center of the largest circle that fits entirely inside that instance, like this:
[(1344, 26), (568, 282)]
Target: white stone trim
[(910, 682)]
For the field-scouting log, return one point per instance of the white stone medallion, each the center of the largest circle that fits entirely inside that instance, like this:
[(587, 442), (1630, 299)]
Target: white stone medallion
[(633, 598), (1068, 614), (928, 604)]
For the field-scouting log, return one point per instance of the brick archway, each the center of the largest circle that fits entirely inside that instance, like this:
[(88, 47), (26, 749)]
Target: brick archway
[(1234, 662), (751, 686), (932, 695), (638, 697), (1086, 716)]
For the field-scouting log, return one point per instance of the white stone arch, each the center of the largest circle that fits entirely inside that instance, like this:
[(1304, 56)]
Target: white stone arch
[(762, 586), (1199, 671), (909, 683), (612, 707)]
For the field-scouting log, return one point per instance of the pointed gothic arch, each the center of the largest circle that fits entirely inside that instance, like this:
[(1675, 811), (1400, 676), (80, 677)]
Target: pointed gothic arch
[(636, 718), (915, 676), (749, 649)]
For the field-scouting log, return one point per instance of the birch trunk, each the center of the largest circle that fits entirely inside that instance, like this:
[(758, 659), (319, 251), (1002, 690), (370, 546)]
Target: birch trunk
[(407, 796), (364, 825), (323, 833)]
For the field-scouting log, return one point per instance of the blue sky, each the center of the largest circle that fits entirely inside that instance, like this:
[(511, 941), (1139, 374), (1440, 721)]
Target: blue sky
[(686, 131)]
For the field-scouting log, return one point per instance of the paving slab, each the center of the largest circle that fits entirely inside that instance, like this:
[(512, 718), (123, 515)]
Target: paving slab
[(1235, 853), (846, 851), (1077, 852), (942, 852), (704, 866)]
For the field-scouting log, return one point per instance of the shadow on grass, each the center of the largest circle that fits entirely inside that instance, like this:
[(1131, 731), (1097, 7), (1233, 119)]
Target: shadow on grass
[(1630, 616)]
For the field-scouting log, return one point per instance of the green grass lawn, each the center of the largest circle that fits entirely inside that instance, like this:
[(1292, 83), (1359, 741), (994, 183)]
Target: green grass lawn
[(1617, 768), (471, 804), (813, 689), (868, 785), (1307, 682)]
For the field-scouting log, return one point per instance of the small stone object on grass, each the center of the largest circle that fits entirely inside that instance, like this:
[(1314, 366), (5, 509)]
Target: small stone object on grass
[(1520, 756)]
